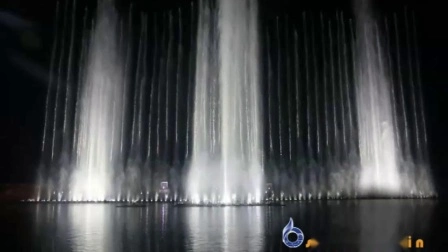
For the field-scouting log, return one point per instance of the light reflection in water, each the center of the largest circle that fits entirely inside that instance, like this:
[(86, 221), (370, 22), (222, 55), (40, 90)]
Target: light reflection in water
[(226, 229), (338, 225), (89, 229)]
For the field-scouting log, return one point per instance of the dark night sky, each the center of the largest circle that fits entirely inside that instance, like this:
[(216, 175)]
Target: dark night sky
[(25, 46)]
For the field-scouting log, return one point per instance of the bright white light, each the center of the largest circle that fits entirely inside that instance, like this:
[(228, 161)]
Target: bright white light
[(196, 199), (258, 197), (100, 113), (232, 127), (226, 200)]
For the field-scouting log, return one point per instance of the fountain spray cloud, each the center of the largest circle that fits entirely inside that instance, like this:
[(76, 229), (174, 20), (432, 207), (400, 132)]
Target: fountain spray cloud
[(227, 143), (378, 149), (99, 120)]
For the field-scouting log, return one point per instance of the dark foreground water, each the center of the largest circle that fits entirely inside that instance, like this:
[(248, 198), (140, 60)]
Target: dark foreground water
[(367, 225)]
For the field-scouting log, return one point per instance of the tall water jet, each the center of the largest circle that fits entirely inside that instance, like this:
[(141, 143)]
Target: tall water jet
[(142, 78), (41, 169), (236, 164), (127, 52), (153, 88), (269, 66), (239, 49), (279, 91), (390, 71), (307, 80), (99, 121), (316, 87), (288, 88), (178, 74), (333, 92), (378, 149), (341, 83), (67, 110), (296, 84), (346, 85), (56, 112), (168, 81), (82, 60), (419, 86), (324, 69), (202, 156), (405, 143), (190, 85)]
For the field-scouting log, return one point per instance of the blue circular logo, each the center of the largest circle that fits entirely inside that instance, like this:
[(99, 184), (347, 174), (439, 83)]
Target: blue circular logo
[(290, 229)]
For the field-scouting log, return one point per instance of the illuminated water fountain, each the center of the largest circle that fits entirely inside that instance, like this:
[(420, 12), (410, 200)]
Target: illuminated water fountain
[(384, 164), (184, 103), (227, 142)]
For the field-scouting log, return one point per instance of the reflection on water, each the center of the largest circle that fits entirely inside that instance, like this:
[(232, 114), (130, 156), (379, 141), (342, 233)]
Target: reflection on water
[(226, 229), (370, 225), (384, 221), (88, 230)]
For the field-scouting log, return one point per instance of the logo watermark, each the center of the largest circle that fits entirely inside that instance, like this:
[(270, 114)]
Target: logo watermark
[(290, 229)]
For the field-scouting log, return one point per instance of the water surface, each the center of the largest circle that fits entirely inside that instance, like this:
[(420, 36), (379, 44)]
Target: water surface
[(368, 225)]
